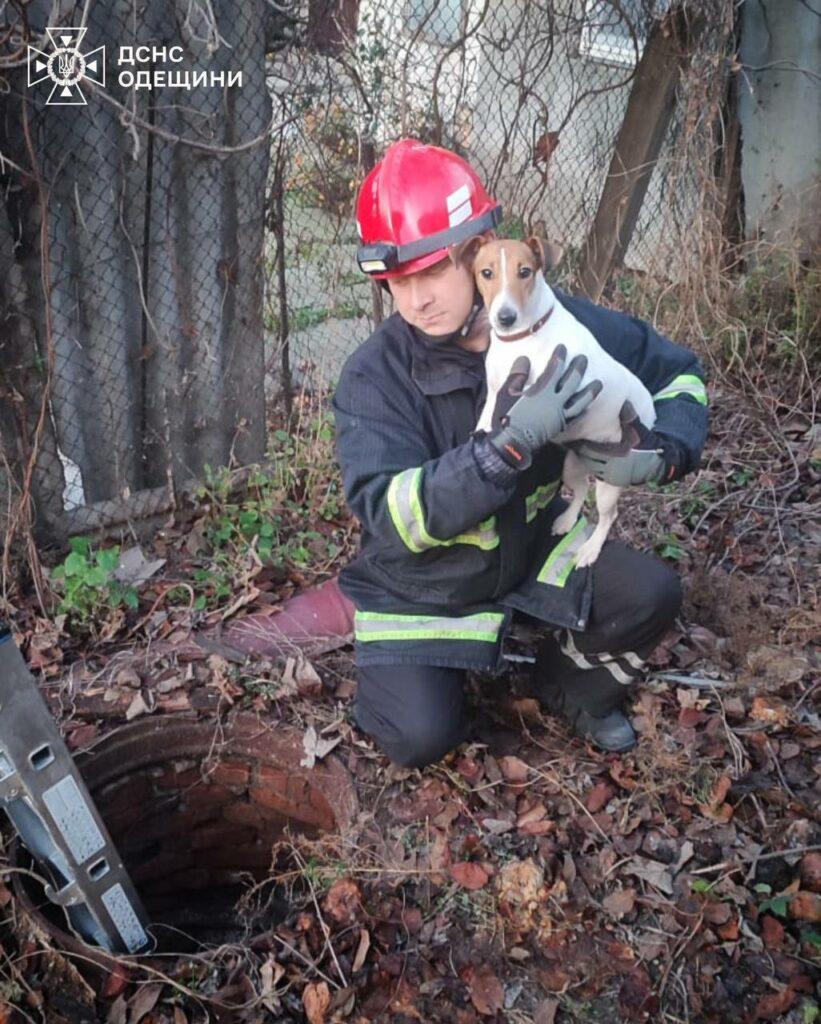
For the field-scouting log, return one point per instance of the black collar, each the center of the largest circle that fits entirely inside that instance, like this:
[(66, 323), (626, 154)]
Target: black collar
[(440, 365)]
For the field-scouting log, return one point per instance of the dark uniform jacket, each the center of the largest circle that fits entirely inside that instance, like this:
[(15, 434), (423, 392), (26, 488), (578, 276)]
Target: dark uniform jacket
[(448, 551)]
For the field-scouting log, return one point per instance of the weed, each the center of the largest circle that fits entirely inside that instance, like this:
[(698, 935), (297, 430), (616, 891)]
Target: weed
[(669, 546), (86, 583)]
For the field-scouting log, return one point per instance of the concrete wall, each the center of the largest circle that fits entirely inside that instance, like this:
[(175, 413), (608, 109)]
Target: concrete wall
[(780, 113)]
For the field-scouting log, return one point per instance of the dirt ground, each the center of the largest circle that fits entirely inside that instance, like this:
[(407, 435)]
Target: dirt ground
[(525, 878)]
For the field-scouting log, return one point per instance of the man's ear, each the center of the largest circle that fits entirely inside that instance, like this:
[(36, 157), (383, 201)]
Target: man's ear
[(535, 244), (465, 252)]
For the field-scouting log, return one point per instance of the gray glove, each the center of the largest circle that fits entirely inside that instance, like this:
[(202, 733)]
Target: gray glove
[(640, 457), (547, 407), (636, 467)]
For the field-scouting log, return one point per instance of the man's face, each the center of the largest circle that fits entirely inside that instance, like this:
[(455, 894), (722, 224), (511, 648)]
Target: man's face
[(437, 300)]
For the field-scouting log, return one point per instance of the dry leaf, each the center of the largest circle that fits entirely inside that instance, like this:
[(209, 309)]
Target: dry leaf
[(514, 769), (361, 950), (774, 1004), (806, 906), (137, 707), (486, 992), (546, 1011), (315, 747), (469, 874), (143, 1002), (770, 710), (316, 999), (599, 796), (343, 900), (651, 871), (617, 904)]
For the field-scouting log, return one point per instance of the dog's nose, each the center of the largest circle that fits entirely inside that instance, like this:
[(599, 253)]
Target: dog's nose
[(506, 316)]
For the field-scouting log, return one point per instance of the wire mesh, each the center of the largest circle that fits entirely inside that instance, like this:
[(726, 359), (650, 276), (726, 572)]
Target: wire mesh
[(175, 261)]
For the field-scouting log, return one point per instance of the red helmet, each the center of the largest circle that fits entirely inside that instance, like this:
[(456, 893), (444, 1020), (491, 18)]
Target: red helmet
[(417, 202)]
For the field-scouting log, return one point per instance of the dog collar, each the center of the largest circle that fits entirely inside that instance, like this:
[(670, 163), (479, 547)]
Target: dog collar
[(531, 330)]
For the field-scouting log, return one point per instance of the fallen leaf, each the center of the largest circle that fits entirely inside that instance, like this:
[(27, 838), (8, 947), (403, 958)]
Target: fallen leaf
[(143, 1002), (599, 796), (316, 747), (772, 932), (514, 769), (307, 678), (811, 871), (650, 871), (774, 1004), (486, 992), (617, 904), (770, 710), (115, 981), (180, 1015), (806, 906), (361, 950), (137, 707), (343, 900), (637, 1001), (468, 874), (715, 807), (316, 998), (545, 1012)]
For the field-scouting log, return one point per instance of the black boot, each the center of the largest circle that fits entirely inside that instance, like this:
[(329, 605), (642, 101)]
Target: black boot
[(590, 700)]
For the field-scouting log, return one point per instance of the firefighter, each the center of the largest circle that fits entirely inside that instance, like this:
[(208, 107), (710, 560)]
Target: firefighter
[(456, 537)]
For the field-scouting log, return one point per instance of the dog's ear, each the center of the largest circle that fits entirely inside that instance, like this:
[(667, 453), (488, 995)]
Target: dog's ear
[(535, 244), (548, 254), (553, 255), (465, 252)]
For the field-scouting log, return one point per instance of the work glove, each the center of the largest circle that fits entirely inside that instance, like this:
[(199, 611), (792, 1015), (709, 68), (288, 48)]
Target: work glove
[(642, 456), (527, 420)]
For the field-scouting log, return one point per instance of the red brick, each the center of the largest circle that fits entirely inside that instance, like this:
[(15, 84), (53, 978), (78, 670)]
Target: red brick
[(163, 864), (224, 834), (302, 812), (257, 817), (274, 778), (231, 773), (249, 858), (207, 793), (133, 791), (179, 780), (173, 823)]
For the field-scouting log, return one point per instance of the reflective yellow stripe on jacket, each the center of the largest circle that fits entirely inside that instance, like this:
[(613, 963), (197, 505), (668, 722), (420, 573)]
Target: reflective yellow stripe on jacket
[(407, 515), (369, 626), (684, 384)]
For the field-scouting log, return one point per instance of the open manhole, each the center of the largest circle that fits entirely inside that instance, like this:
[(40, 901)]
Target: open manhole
[(194, 809)]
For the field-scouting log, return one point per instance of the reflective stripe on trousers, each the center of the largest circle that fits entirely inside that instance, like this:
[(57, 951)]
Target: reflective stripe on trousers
[(626, 667)]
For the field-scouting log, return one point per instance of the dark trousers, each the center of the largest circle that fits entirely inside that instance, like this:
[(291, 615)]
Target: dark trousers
[(416, 713)]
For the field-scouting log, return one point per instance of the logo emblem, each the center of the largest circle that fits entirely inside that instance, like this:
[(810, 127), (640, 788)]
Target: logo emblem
[(66, 66)]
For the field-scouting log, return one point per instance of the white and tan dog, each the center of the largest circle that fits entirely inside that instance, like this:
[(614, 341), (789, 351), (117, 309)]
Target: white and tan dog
[(527, 320)]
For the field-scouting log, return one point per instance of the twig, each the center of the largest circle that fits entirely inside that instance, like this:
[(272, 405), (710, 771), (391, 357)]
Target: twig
[(747, 858), (700, 682)]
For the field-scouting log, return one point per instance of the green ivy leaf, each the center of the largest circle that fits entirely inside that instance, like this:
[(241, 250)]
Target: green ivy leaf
[(777, 905)]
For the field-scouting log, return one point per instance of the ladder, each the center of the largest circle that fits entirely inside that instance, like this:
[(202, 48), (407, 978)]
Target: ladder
[(49, 805)]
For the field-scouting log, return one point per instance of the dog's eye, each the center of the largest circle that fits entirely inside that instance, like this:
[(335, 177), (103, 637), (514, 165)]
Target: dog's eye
[(525, 271), (487, 273)]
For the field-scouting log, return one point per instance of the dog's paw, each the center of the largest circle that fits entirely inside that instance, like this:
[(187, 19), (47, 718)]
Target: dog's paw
[(565, 522), (588, 553)]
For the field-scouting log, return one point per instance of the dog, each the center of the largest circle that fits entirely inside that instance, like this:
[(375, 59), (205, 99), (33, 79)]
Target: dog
[(527, 320)]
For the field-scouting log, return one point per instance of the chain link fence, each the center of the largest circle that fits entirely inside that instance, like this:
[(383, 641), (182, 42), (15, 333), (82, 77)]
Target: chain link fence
[(176, 260)]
